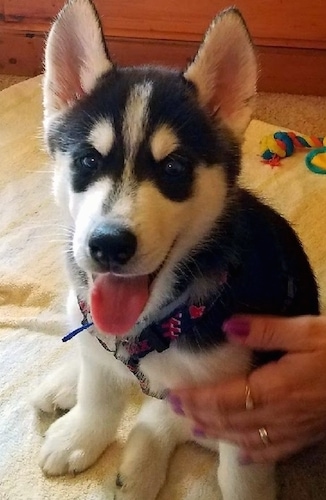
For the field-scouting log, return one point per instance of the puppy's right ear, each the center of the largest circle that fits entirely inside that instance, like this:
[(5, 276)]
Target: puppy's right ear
[(75, 56), (224, 71)]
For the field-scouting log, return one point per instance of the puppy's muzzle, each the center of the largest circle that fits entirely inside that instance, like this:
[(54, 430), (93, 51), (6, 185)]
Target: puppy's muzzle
[(112, 246)]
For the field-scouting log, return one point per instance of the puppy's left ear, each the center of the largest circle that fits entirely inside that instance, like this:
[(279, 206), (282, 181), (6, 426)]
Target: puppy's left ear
[(224, 71), (75, 56)]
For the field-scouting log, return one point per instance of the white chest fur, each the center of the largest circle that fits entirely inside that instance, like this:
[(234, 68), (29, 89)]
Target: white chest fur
[(178, 368)]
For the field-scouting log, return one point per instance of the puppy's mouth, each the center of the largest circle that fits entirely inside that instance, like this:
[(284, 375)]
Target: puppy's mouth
[(117, 301)]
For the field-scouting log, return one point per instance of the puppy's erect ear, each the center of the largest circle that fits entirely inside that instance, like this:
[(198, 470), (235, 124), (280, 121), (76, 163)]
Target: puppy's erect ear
[(224, 71), (75, 56)]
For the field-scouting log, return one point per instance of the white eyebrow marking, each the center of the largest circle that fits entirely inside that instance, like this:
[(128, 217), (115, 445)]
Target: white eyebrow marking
[(135, 117), (102, 136)]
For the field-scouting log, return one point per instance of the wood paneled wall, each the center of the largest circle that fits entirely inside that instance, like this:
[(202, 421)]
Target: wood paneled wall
[(291, 39)]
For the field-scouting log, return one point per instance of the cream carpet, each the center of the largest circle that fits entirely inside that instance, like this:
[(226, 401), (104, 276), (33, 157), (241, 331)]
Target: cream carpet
[(32, 290)]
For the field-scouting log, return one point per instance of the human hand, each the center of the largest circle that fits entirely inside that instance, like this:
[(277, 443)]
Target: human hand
[(289, 395)]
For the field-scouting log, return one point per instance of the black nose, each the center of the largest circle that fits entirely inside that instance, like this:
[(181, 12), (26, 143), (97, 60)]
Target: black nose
[(111, 245)]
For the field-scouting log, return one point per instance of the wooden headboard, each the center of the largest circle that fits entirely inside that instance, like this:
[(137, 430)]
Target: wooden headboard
[(290, 38)]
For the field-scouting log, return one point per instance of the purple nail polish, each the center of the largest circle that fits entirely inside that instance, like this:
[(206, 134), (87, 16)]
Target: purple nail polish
[(178, 410), (174, 400), (176, 404), (198, 432), (236, 327)]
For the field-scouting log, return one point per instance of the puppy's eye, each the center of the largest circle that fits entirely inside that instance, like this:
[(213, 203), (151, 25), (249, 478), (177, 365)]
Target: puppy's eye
[(174, 168), (90, 161)]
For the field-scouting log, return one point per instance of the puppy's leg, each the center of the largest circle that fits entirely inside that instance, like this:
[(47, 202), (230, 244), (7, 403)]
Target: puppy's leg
[(244, 482), (59, 389), (76, 440), (148, 449)]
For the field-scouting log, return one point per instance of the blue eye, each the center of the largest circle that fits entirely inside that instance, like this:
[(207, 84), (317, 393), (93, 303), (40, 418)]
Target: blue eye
[(174, 168)]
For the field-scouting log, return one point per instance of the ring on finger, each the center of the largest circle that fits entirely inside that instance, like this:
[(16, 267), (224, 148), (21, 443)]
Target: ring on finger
[(263, 434), (249, 404)]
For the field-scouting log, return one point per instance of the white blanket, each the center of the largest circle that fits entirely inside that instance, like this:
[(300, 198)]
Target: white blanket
[(32, 295)]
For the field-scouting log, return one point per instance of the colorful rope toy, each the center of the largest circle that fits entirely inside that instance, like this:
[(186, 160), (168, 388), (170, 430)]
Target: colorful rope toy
[(282, 144)]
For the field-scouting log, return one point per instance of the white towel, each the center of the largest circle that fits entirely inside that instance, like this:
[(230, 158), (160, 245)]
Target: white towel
[(32, 297)]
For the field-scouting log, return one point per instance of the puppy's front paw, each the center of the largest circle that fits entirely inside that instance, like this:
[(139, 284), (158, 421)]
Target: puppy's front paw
[(135, 488), (58, 390), (74, 442), (141, 476)]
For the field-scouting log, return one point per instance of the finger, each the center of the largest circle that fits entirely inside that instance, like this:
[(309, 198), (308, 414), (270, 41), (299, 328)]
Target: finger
[(270, 454), (255, 440), (224, 405), (211, 400), (250, 441), (290, 414), (301, 333), (276, 452), (252, 448), (231, 427)]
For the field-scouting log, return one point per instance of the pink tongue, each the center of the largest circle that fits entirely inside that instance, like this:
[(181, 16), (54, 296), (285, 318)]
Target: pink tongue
[(116, 303)]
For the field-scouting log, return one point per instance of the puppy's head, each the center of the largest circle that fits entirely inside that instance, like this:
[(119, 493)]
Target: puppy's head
[(144, 157)]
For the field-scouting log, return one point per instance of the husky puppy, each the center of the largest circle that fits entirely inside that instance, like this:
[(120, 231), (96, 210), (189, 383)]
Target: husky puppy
[(164, 246)]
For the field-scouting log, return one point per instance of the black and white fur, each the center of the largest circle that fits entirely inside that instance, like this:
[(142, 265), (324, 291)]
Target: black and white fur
[(155, 151)]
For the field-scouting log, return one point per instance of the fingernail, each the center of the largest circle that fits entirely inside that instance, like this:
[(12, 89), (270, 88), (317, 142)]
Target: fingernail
[(244, 459), (198, 432), (236, 327), (176, 404)]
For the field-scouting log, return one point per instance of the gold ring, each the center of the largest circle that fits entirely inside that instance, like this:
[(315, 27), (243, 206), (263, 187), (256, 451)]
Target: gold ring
[(263, 434), (249, 400)]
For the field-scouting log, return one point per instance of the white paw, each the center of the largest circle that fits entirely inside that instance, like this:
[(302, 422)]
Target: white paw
[(148, 450), (142, 472), (136, 487), (74, 442), (58, 390)]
